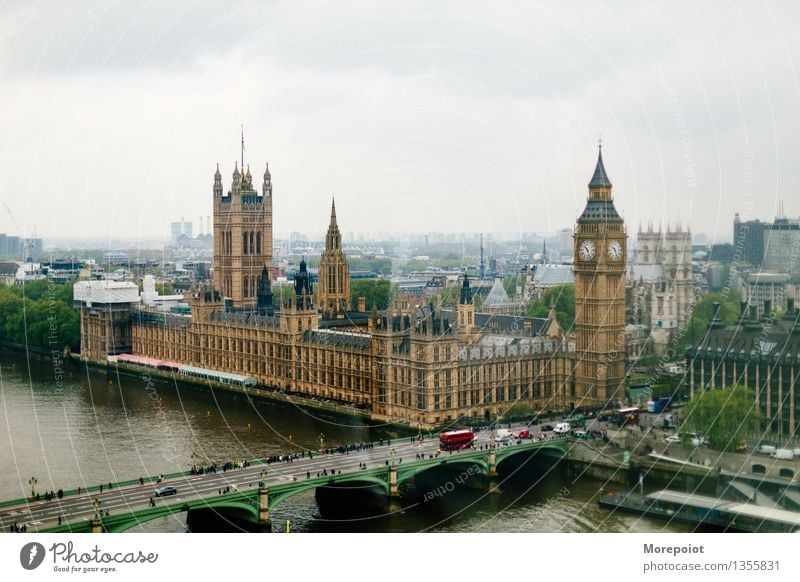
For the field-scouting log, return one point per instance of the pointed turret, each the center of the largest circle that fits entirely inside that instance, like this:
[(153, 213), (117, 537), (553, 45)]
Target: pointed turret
[(333, 239), (599, 178), (264, 300), (466, 292), (266, 188), (600, 206), (217, 182)]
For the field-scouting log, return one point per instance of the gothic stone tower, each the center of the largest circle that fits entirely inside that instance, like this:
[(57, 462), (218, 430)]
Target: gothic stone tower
[(600, 255), (333, 288), (242, 237)]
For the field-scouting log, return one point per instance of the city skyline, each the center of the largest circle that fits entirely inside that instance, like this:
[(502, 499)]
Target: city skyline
[(113, 120)]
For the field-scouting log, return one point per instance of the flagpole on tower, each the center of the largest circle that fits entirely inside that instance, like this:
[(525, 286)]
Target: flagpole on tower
[(243, 147)]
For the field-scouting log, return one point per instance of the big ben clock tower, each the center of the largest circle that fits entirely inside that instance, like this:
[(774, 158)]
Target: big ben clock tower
[(600, 255)]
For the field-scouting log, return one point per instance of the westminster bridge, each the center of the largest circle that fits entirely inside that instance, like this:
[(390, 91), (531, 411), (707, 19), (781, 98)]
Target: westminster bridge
[(248, 494)]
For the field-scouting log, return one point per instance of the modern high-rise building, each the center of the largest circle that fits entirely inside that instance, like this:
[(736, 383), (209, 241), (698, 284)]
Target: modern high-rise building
[(768, 246)]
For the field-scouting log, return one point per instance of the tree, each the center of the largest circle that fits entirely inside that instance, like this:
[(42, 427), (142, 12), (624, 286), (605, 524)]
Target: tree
[(724, 415), (703, 312), (376, 292), (564, 298), (40, 315)]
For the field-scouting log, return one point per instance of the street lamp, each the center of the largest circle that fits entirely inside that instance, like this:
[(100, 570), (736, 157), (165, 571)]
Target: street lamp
[(33, 481), (321, 440), (394, 457)]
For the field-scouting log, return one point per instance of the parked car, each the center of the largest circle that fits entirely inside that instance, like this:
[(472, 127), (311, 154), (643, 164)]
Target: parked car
[(796, 452), (167, 490), (673, 438), (783, 454), (766, 449)]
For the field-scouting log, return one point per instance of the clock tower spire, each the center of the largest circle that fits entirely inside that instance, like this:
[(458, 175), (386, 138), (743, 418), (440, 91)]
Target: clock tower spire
[(600, 255)]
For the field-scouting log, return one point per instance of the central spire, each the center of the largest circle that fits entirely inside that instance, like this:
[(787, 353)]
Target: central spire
[(600, 177), (333, 210)]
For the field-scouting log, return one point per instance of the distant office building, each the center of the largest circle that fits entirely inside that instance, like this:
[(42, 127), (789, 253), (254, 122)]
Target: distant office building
[(760, 353), (565, 241), (14, 247), (764, 290), (768, 246)]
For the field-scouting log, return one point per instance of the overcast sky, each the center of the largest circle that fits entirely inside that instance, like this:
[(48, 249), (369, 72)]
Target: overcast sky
[(418, 116)]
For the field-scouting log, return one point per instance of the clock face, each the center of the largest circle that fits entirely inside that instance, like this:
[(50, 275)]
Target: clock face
[(615, 250), (586, 250)]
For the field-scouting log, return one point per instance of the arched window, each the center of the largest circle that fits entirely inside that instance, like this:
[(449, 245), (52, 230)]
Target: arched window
[(252, 242), (245, 286), (258, 243), (244, 243)]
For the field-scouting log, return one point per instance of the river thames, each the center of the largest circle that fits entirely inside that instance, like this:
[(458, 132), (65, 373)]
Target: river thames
[(84, 427)]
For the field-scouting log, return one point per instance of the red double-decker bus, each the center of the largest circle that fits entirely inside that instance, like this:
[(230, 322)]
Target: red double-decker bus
[(456, 439)]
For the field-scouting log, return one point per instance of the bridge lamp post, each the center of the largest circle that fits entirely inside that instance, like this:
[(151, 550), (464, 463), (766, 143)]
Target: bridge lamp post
[(394, 458), (33, 481), (321, 440)]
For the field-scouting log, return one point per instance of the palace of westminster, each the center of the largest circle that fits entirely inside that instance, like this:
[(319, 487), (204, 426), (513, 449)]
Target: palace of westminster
[(416, 365)]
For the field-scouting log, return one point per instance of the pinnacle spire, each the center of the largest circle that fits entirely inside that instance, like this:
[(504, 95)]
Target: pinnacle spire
[(600, 178), (333, 210)]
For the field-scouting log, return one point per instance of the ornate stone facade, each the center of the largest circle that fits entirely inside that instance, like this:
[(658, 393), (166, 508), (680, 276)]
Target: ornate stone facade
[(333, 291), (660, 290), (416, 365), (600, 255), (242, 236)]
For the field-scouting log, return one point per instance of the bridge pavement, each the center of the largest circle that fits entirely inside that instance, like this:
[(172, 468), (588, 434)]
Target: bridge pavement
[(43, 515)]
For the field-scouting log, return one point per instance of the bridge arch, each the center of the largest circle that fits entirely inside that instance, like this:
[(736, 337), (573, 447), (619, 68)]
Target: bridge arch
[(281, 493), (124, 522)]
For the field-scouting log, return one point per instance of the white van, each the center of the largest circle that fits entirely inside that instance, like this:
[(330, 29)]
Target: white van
[(562, 428), (784, 454), (766, 449), (502, 435)]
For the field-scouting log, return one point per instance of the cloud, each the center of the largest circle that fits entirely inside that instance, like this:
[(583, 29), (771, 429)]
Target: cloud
[(113, 115)]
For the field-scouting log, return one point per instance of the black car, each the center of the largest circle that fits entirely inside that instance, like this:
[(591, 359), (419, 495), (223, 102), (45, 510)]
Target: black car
[(547, 427), (164, 491)]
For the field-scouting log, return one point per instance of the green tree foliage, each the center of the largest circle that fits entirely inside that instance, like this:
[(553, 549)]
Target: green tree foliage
[(39, 314), (723, 415), (376, 292), (376, 265), (703, 312), (564, 298)]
